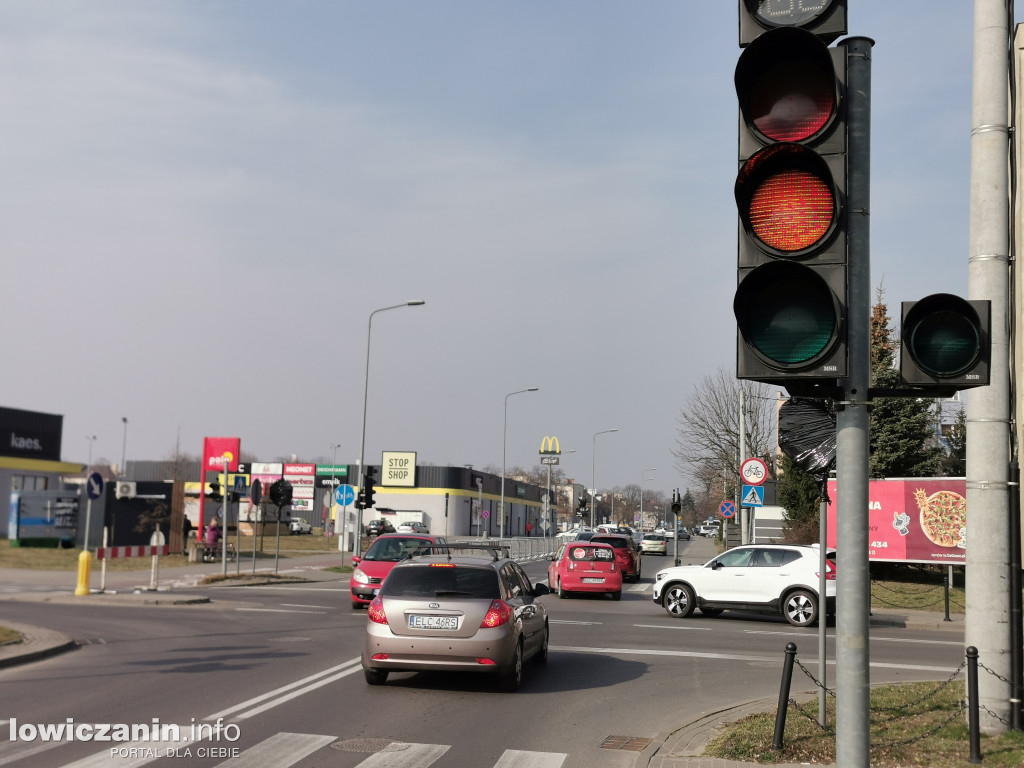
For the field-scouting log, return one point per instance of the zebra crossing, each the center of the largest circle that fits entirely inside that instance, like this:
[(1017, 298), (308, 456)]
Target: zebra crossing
[(280, 750)]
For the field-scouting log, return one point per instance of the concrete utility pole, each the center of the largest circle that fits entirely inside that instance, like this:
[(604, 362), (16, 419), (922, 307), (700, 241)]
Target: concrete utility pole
[(988, 408)]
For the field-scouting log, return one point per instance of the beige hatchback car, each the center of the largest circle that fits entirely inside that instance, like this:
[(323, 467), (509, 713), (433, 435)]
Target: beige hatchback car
[(456, 612)]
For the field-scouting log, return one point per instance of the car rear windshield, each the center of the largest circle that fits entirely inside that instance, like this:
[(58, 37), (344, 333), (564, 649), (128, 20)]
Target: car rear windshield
[(581, 554), (616, 541), (395, 548), (449, 581)]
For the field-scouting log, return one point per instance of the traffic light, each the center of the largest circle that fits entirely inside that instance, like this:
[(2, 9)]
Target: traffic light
[(945, 343), (281, 493), (214, 493), (366, 495), (677, 503), (791, 297)]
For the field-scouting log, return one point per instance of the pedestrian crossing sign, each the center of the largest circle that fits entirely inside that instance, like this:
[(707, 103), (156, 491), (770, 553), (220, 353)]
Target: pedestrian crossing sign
[(753, 496)]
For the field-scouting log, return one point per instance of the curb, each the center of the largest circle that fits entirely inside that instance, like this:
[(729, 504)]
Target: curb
[(36, 643)]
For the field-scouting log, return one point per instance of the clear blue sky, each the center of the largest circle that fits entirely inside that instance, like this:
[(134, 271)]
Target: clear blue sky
[(203, 202)]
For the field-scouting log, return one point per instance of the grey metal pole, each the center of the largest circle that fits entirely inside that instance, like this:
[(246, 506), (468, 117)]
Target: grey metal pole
[(88, 498), (593, 476), (362, 438), (504, 442), (124, 448), (988, 408), (853, 728), (740, 511)]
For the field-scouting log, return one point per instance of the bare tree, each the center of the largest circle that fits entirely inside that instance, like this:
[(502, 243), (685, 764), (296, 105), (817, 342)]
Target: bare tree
[(707, 446)]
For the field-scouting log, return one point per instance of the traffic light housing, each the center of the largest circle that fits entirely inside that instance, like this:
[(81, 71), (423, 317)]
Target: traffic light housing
[(791, 297), (214, 494), (825, 18), (945, 343), (280, 493), (366, 494)]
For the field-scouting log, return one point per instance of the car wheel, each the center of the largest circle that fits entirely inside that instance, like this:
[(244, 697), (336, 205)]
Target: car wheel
[(678, 601), (800, 608), (512, 678), (617, 595), (636, 576), (542, 654), (375, 676), (562, 593)]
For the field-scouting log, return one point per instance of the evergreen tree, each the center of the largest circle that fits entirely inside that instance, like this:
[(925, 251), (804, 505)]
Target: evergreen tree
[(799, 493), (954, 463), (901, 427)]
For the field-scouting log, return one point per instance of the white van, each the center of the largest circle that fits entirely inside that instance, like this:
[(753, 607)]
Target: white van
[(710, 529)]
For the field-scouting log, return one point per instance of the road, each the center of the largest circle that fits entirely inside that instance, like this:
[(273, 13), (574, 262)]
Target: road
[(279, 666)]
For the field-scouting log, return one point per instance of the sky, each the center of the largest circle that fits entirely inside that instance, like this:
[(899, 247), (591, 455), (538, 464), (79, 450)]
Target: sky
[(205, 201)]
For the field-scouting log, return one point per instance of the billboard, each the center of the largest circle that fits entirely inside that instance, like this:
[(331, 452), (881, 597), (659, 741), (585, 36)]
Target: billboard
[(913, 520)]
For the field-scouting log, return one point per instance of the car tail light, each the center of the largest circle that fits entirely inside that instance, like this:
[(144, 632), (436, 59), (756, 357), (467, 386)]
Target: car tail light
[(830, 571), (497, 614), (375, 611)]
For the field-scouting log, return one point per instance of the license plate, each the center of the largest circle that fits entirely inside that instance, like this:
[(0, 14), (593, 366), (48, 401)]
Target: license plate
[(433, 622), (593, 581)]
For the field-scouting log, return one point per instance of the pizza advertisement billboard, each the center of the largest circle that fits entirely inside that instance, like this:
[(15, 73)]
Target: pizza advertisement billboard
[(912, 520)]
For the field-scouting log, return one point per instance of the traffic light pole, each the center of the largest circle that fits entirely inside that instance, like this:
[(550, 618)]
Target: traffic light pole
[(853, 742)]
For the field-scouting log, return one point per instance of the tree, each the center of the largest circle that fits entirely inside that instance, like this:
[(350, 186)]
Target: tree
[(799, 493), (954, 462), (901, 427), (707, 442)]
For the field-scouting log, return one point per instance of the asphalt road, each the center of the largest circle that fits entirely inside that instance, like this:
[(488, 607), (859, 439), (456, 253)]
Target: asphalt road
[(279, 666)]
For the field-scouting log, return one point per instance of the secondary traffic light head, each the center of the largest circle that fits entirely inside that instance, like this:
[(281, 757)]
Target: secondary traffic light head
[(215, 493), (945, 343), (791, 296)]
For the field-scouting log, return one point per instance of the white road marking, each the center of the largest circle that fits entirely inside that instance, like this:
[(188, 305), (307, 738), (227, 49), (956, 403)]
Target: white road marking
[(349, 665), (279, 751)]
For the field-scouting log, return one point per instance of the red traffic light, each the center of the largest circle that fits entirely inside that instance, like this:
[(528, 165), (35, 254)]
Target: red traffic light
[(788, 200)]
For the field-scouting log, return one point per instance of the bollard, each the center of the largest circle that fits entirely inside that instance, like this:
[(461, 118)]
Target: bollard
[(972, 705), (787, 680), (945, 587), (84, 571)]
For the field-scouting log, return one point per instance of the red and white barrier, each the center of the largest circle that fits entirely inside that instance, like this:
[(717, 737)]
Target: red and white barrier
[(102, 553)]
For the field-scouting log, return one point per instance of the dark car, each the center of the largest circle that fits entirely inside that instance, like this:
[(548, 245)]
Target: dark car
[(377, 527), (456, 612), (625, 554)]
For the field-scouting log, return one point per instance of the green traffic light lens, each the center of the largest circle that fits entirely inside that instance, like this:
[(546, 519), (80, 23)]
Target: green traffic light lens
[(788, 314), (944, 342)]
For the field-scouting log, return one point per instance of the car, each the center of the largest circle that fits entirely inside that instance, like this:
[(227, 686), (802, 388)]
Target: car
[(709, 530), (585, 566), (370, 570), (584, 535), (377, 527), (298, 525), (683, 535), (626, 555), (654, 544), (456, 612), (764, 578), (412, 526)]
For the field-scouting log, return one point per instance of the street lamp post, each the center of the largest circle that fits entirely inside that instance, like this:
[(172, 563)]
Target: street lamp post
[(593, 477), (329, 514), (88, 498), (504, 441), (366, 389), (652, 469), (124, 445)]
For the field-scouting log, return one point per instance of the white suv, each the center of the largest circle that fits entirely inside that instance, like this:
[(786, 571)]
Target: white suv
[(774, 578)]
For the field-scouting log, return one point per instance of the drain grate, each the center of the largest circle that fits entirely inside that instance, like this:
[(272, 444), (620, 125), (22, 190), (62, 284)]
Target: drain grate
[(362, 745), (626, 743)]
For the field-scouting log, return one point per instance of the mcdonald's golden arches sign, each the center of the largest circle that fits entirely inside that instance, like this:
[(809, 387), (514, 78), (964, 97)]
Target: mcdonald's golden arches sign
[(549, 445)]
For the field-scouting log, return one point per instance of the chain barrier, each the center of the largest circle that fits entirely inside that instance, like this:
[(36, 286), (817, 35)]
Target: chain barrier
[(911, 593), (990, 713), (817, 683), (903, 742), (925, 697), (812, 718), (994, 674)]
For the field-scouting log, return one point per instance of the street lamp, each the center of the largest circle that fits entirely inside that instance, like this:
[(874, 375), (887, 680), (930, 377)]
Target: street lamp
[(593, 477), (652, 469), (504, 440), (124, 444), (366, 389)]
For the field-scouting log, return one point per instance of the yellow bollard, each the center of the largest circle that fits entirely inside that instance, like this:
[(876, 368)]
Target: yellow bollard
[(84, 569)]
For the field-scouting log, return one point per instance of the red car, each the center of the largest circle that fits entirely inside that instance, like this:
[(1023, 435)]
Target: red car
[(376, 563), (625, 554), (585, 566)]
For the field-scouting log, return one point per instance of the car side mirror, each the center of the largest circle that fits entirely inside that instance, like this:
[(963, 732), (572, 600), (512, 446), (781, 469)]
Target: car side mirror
[(356, 559), (540, 589)]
